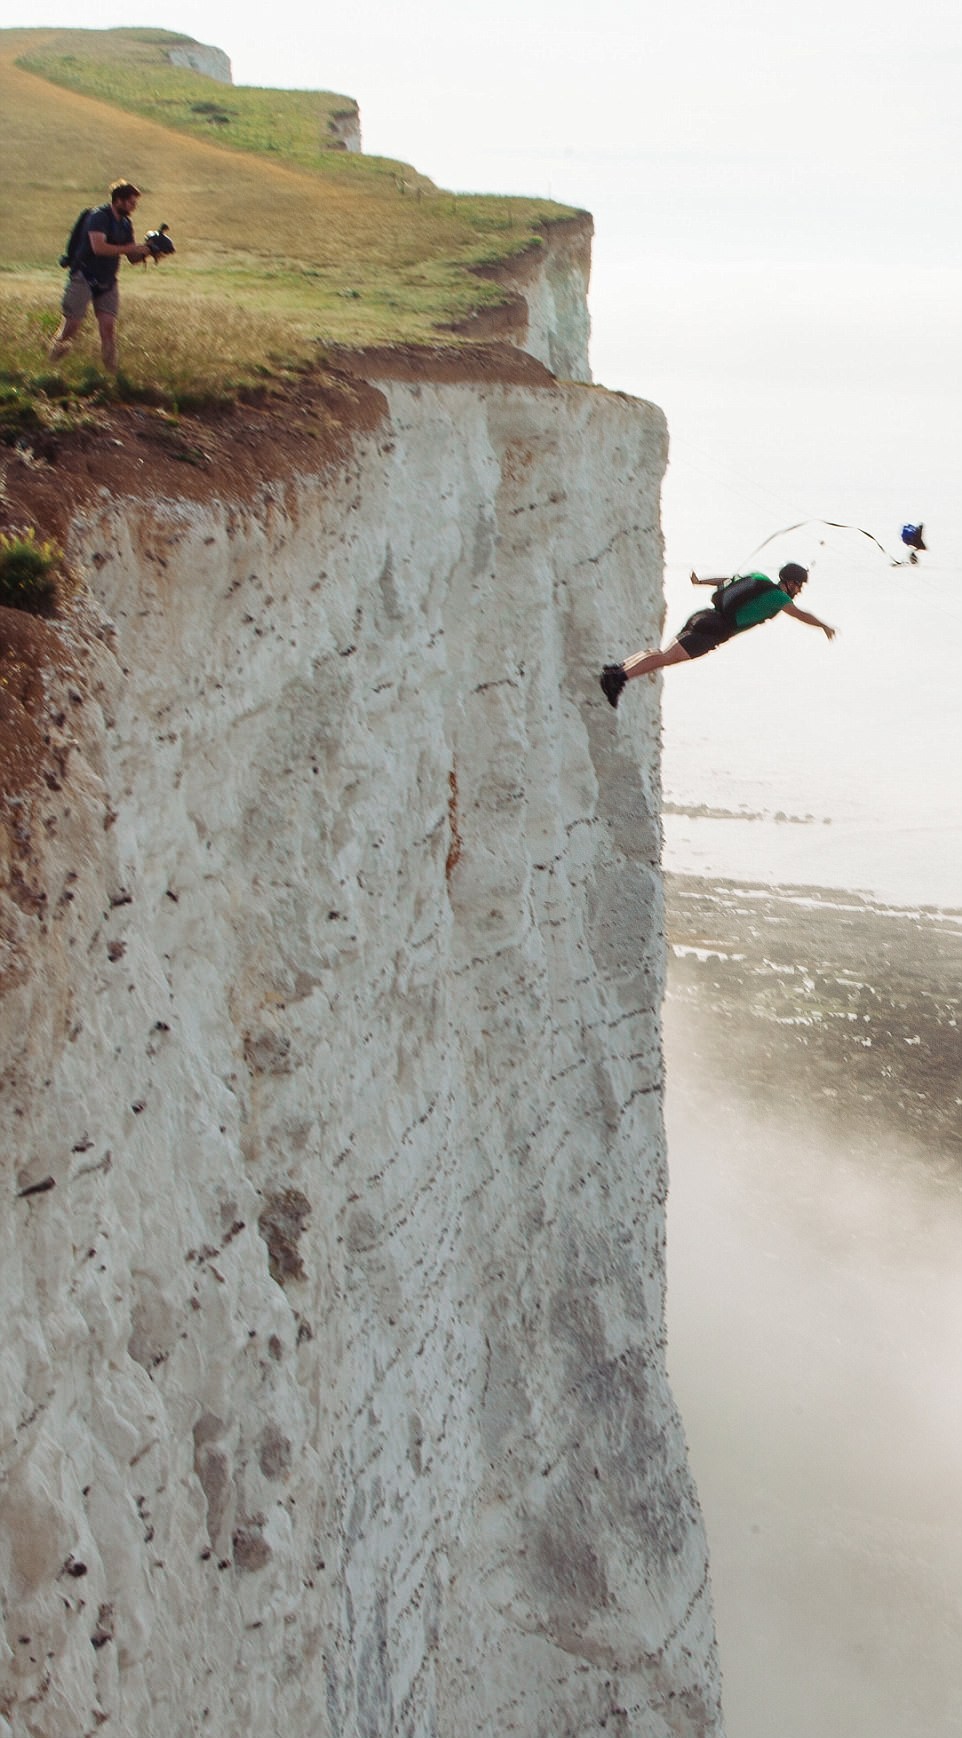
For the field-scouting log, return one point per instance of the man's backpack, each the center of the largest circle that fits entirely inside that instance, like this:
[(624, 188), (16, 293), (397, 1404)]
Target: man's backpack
[(70, 258), (744, 588)]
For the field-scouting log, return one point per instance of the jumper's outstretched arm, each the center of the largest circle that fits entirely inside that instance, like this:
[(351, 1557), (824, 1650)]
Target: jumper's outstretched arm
[(792, 609)]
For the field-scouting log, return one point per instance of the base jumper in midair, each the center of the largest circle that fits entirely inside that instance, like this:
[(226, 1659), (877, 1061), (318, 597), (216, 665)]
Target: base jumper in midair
[(738, 604)]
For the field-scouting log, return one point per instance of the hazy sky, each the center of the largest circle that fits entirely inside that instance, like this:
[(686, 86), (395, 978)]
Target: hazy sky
[(777, 257), (777, 263)]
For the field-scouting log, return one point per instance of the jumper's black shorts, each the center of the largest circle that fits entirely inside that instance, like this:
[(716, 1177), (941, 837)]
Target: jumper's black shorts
[(702, 632)]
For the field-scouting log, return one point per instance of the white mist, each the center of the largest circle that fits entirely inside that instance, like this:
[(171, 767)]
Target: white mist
[(815, 1305)]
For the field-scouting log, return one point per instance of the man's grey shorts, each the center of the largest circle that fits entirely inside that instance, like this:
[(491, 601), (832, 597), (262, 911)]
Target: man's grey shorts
[(78, 296)]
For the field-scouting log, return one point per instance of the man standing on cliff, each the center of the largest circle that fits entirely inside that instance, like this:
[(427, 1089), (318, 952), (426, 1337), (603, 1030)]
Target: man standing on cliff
[(737, 605), (108, 238)]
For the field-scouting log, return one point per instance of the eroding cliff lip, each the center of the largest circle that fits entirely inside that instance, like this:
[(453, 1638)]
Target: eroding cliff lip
[(491, 364), (133, 452)]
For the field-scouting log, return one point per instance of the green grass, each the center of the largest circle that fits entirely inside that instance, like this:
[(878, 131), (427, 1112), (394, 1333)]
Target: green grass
[(28, 571), (192, 353), (283, 245), (131, 69)]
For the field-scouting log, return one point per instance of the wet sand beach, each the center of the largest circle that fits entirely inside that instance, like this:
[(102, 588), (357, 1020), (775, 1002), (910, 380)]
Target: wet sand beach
[(814, 1106)]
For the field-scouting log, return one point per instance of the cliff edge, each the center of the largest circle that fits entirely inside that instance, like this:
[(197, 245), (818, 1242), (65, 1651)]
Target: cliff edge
[(332, 960)]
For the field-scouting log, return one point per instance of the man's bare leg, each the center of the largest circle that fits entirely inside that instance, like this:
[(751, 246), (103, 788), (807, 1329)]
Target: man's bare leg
[(108, 340), (614, 676), (643, 663), (64, 337)]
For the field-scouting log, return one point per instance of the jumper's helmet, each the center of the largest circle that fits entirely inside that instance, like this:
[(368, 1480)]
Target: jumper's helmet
[(792, 571)]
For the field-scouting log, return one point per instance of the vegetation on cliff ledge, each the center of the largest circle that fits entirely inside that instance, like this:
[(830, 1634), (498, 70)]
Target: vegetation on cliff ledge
[(284, 244), (28, 571)]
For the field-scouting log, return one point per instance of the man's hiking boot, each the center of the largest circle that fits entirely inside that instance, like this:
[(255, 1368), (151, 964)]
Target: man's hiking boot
[(612, 680)]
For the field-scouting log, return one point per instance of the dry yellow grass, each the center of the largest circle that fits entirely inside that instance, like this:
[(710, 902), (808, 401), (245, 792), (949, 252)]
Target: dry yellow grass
[(177, 347), (272, 258), (133, 69)]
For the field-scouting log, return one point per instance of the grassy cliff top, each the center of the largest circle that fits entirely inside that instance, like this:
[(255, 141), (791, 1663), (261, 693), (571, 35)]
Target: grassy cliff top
[(285, 244), (133, 70)]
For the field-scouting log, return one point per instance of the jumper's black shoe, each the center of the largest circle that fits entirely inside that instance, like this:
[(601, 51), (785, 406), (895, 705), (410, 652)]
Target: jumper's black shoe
[(612, 681)]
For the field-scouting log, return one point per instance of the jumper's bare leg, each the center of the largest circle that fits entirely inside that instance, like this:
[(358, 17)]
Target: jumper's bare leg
[(643, 663)]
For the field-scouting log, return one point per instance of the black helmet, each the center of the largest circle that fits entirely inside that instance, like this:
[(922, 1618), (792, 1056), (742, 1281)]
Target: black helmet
[(793, 571)]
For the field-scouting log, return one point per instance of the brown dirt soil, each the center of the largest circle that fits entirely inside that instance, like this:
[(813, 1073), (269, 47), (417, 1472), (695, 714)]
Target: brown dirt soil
[(496, 364), (30, 649), (226, 454), (138, 452), (39, 689)]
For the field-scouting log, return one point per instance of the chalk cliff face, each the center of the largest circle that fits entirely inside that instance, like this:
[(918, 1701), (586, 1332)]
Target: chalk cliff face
[(199, 57), (345, 129), (545, 311), (553, 285), (334, 1396)]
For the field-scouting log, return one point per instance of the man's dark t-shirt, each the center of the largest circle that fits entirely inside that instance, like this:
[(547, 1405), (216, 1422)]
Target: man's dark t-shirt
[(100, 270)]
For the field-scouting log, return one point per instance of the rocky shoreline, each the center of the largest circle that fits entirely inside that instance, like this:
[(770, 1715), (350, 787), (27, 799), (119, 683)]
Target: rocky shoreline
[(828, 1000)]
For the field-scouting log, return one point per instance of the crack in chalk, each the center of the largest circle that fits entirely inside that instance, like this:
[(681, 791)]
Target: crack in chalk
[(619, 536), (501, 682), (642, 1092)]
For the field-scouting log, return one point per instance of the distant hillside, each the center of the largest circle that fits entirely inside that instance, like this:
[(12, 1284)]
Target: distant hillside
[(283, 243), (136, 70)]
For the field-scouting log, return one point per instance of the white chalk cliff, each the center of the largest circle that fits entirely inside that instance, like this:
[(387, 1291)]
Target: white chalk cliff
[(200, 57), (334, 1400)]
